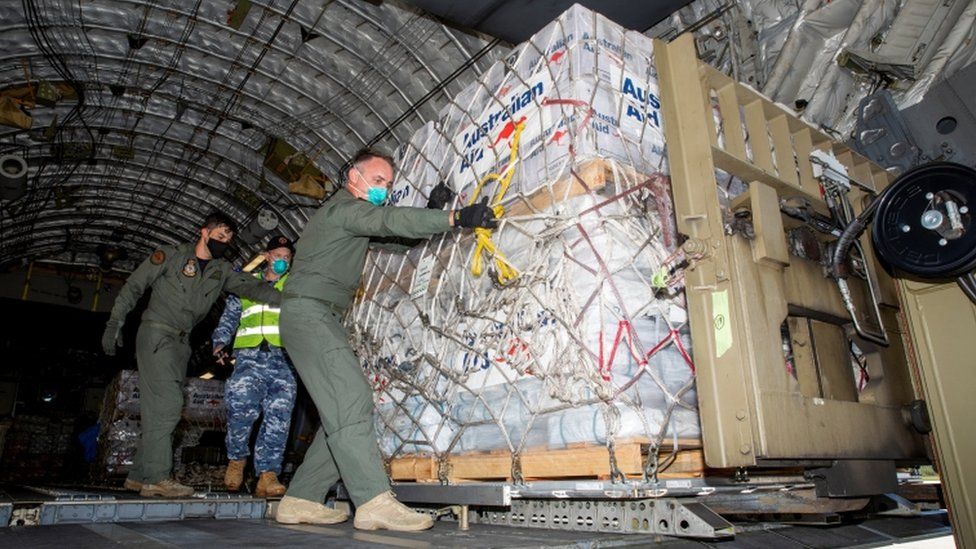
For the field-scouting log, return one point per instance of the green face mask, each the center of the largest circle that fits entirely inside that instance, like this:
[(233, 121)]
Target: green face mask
[(279, 266), (377, 195), (374, 195)]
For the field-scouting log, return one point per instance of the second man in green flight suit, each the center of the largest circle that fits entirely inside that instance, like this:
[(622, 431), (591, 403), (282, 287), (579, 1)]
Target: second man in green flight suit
[(328, 264), (186, 280)]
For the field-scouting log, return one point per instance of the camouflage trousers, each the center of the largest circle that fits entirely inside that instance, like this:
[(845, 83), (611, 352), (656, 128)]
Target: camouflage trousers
[(262, 383)]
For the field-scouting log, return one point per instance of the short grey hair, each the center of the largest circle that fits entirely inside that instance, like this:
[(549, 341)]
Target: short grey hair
[(361, 156)]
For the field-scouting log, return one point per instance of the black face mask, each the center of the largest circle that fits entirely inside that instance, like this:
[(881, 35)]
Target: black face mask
[(217, 248)]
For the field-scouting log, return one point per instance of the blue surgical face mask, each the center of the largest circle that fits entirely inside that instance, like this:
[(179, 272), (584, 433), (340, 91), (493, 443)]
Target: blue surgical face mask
[(279, 266), (377, 195)]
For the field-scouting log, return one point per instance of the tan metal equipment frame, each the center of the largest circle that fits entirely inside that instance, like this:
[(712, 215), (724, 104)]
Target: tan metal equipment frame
[(941, 325), (743, 292)]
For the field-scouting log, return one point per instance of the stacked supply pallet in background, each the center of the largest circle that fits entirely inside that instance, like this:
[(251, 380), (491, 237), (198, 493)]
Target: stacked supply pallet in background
[(36, 447), (120, 429), (199, 432)]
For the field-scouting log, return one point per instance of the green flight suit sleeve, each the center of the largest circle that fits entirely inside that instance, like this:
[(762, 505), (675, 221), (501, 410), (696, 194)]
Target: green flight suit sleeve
[(142, 278), (364, 219), (246, 285)]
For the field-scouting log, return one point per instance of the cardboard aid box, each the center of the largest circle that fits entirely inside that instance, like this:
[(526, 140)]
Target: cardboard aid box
[(461, 364)]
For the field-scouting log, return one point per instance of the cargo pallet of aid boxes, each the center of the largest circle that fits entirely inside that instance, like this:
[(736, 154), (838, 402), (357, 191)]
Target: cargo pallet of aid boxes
[(198, 455), (556, 345)]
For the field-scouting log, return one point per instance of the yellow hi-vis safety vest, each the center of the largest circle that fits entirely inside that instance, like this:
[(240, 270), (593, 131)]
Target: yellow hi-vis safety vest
[(258, 322)]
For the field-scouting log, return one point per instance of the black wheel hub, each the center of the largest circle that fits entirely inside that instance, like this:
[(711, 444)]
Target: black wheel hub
[(925, 224)]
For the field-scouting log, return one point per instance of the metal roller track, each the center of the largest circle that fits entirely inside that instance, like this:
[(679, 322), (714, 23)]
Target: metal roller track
[(498, 493), (687, 507), (58, 506), (595, 506), (75, 512), (666, 516)]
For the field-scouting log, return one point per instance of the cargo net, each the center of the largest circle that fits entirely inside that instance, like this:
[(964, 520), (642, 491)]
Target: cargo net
[(566, 325)]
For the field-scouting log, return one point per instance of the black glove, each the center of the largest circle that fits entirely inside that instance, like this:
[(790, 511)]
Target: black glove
[(476, 215), (439, 196), (112, 337)]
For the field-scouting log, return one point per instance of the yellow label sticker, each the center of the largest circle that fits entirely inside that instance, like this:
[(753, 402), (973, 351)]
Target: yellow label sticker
[(721, 322)]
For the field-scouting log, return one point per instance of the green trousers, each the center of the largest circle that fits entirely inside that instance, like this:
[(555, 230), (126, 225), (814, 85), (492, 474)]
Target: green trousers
[(345, 446), (162, 354)]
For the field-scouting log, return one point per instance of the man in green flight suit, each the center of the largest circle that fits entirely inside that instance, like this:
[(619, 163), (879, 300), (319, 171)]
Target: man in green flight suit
[(186, 281), (328, 264)]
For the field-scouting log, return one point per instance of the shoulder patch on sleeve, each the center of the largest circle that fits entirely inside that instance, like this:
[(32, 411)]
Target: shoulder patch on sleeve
[(157, 257)]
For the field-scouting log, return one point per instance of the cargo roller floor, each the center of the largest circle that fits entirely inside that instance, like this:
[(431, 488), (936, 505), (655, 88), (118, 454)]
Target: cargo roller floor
[(213, 534), (41, 506)]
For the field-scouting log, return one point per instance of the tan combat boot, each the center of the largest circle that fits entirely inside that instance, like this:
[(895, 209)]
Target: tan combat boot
[(385, 512), (268, 486), (234, 476), (296, 510), (132, 485), (167, 488)]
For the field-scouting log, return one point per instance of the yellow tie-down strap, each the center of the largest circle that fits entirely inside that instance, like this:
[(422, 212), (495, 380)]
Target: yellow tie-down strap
[(485, 245)]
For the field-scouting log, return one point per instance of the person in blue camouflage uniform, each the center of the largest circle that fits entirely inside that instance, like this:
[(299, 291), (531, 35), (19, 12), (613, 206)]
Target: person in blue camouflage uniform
[(262, 382)]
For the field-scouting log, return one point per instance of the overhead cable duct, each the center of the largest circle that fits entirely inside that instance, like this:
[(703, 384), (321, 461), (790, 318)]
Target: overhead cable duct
[(911, 42)]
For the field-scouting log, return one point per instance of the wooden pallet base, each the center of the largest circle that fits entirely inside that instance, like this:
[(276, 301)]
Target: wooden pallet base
[(578, 462)]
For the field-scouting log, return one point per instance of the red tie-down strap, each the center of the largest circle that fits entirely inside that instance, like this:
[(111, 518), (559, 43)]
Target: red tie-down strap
[(624, 327), (626, 330), (578, 103)]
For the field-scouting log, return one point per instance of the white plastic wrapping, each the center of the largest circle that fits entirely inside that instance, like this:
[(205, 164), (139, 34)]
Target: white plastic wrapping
[(955, 52), (771, 22), (807, 67), (590, 342)]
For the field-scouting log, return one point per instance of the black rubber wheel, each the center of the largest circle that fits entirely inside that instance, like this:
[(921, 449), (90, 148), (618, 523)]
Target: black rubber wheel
[(913, 227)]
